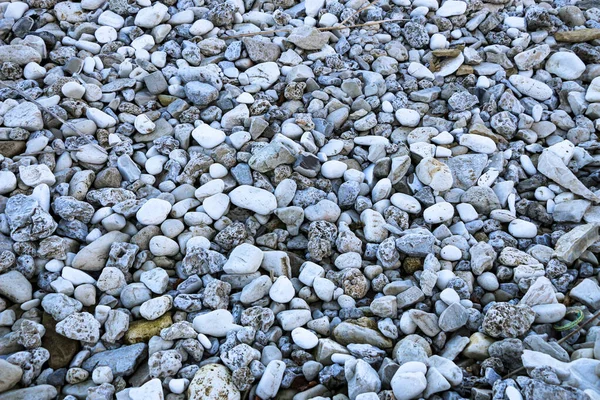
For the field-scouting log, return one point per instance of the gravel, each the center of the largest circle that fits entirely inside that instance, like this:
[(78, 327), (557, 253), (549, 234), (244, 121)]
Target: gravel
[(328, 199)]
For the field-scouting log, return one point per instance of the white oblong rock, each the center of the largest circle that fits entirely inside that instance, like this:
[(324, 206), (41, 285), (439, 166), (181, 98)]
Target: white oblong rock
[(93, 257), (420, 71), (201, 27), (244, 259), (565, 65), (452, 8), (522, 229), (100, 118), (549, 313), (264, 74), (478, 143), (254, 199), (210, 188), (163, 246), (155, 308), (8, 182), (215, 323), (15, 287), (531, 87), (74, 90), (34, 175), (208, 137), (408, 117), (149, 17), (333, 169), (451, 253), (305, 338), (593, 91), (153, 212), (406, 203), (271, 380), (438, 213)]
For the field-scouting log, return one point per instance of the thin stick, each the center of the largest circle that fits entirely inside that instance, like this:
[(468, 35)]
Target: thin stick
[(372, 3), (322, 29), (580, 327), (58, 117)]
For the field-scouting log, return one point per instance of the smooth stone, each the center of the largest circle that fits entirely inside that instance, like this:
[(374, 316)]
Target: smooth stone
[(565, 65), (39, 392), (408, 385), (10, 374), (93, 257), (531, 87), (153, 212), (215, 323), (15, 287), (254, 199)]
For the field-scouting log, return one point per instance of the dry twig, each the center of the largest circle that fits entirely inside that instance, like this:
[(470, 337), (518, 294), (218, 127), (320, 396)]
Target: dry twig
[(58, 117), (571, 334), (371, 4)]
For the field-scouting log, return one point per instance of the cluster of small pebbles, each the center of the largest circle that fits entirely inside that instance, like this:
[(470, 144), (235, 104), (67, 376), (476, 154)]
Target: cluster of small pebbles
[(275, 199)]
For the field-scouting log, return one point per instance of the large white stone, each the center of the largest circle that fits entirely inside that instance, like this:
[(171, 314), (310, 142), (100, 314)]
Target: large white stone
[(201, 27), (408, 385), (438, 213), (254, 199), (215, 323), (244, 259), (207, 136), (304, 338), (522, 229), (149, 17), (264, 75), (406, 203), (565, 65), (271, 380), (531, 87), (478, 143), (435, 174), (451, 8), (153, 212)]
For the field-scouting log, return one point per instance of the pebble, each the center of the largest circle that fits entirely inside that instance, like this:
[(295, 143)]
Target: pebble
[(153, 212), (254, 199), (565, 65), (215, 323), (530, 87), (282, 290), (304, 338)]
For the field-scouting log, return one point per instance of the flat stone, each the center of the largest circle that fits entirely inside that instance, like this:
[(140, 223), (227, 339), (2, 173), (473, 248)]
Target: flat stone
[(39, 392), (122, 361), (571, 245), (93, 257), (15, 287), (19, 54)]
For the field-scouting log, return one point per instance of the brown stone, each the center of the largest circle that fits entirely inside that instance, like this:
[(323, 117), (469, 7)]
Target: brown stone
[(454, 52), (142, 331), (11, 148), (412, 264), (362, 331), (62, 349), (578, 36), (464, 70)]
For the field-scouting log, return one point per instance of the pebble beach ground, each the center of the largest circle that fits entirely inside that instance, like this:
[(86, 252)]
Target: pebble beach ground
[(274, 199)]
